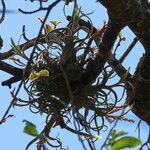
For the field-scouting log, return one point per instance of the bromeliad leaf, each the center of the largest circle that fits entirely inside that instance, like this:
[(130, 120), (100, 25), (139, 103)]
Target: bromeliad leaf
[(125, 142), (15, 47), (76, 15), (30, 128)]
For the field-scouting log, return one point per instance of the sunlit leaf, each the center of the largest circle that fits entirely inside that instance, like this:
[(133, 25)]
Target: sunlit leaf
[(33, 76), (44, 73), (125, 142), (54, 22), (30, 128), (76, 12), (47, 28), (76, 15)]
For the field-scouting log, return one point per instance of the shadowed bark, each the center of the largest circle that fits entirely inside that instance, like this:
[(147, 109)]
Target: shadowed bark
[(136, 15)]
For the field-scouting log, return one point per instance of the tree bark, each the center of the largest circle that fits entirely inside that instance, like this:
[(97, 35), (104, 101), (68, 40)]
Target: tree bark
[(136, 15)]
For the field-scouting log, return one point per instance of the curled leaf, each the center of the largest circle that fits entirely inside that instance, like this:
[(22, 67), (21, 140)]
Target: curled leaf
[(30, 128), (33, 76), (44, 73)]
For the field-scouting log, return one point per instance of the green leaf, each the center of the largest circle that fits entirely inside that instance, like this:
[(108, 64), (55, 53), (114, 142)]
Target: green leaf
[(47, 28), (76, 15), (118, 134), (76, 12), (45, 139), (125, 142), (33, 76), (15, 47), (30, 128), (55, 22), (43, 73)]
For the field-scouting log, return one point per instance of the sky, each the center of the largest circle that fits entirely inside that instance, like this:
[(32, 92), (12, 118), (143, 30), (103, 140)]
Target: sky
[(11, 133)]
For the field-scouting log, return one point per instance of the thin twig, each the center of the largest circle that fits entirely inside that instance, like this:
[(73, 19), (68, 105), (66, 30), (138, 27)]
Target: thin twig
[(122, 58)]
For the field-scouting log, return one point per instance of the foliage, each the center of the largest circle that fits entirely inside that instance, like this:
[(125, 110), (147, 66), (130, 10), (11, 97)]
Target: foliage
[(30, 128), (117, 142), (72, 75)]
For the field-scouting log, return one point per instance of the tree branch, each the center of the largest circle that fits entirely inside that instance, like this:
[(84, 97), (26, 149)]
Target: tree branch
[(9, 68), (136, 14), (16, 72), (95, 66)]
